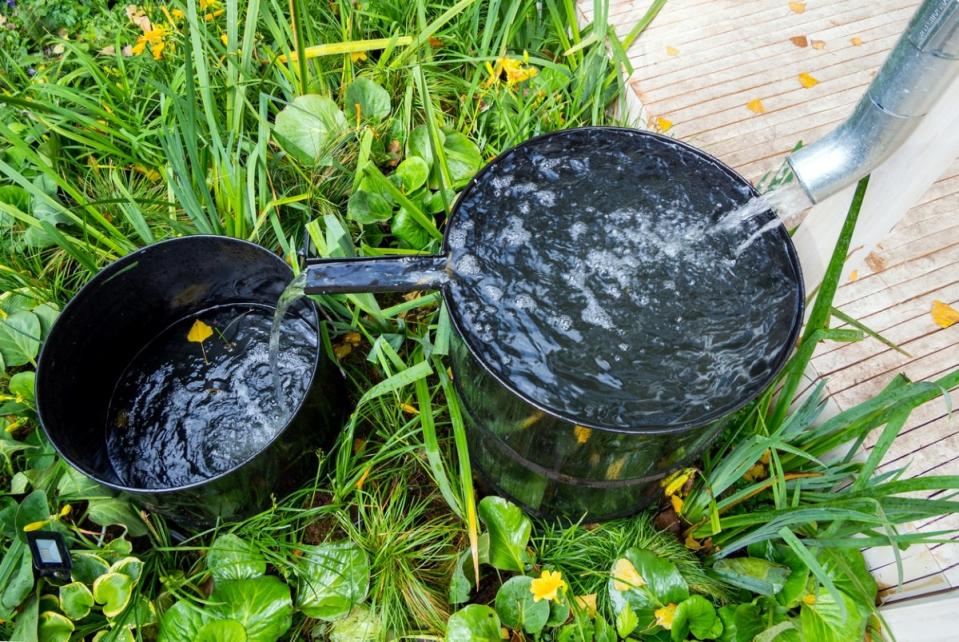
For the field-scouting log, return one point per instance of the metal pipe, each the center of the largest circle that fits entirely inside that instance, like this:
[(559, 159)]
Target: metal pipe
[(923, 64)]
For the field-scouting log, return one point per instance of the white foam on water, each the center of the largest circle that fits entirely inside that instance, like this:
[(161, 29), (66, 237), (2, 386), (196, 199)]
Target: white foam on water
[(515, 233), (468, 265)]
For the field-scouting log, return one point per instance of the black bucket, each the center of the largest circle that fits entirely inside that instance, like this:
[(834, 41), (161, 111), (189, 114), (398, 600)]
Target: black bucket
[(121, 310), (571, 427)]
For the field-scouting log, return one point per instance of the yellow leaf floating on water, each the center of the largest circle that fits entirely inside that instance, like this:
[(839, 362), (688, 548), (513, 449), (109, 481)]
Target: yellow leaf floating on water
[(582, 434), (807, 81), (756, 106), (671, 51), (199, 332), (625, 576), (797, 7), (663, 124), (943, 314)]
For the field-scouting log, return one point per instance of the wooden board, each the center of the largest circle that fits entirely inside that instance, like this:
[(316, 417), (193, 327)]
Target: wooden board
[(696, 68)]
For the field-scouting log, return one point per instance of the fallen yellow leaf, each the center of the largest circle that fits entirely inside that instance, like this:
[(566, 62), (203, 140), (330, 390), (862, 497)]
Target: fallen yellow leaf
[(587, 603), (677, 503), (818, 44), (755, 473), (362, 479), (663, 124), (856, 41), (854, 276), (943, 314), (756, 106), (410, 409), (807, 81), (692, 543), (800, 41), (797, 7), (199, 332), (625, 576), (675, 481), (671, 51)]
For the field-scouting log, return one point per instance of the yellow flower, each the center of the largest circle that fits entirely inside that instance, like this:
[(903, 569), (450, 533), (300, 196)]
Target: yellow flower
[(155, 39), (755, 473), (674, 482), (178, 14), (67, 508), (809, 599), (35, 526), (665, 615), (357, 56), (625, 576), (547, 585), (225, 39), (515, 70)]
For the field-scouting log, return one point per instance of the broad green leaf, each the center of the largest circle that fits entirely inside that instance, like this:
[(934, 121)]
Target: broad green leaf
[(602, 631), (368, 98), (182, 621), (27, 622), (20, 582), (509, 531), (261, 604), (308, 127), (516, 607), (475, 623), (823, 620), (462, 157), (33, 509), (782, 632), (142, 614), (460, 583), (626, 621), (412, 174), (333, 578), (87, 566), (847, 568), (662, 579), (366, 207), (221, 631), (111, 511), (129, 566), (124, 634), (418, 144), (54, 627), (741, 622), (233, 558), (113, 591), (20, 338), (75, 485), (558, 613), (76, 600), (361, 625), (22, 386), (696, 614), (406, 229), (47, 313), (17, 197), (752, 574)]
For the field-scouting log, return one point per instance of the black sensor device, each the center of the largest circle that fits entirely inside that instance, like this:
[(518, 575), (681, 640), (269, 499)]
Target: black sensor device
[(51, 558)]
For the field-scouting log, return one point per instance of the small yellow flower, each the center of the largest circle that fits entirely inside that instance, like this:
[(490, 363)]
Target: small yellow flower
[(665, 615), (515, 70), (809, 599), (155, 39), (178, 14), (547, 586), (625, 576), (357, 56), (755, 473), (67, 508), (225, 39), (35, 526)]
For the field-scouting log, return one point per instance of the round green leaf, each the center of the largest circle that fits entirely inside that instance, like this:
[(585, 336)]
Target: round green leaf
[(47, 313), (475, 623), (113, 591), (412, 174), (116, 635), (361, 625), (406, 229), (462, 157), (372, 101), (823, 620), (18, 586), (33, 508), (54, 627), (516, 607), (509, 531), (752, 574), (20, 338), (221, 631), (333, 579), (22, 384), (261, 604), (233, 558), (308, 127), (129, 566), (87, 566), (418, 144), (182, 621), (658, 583), (558, 613), (368, 207), (76, 600), (110, 511), (696, 614), (741, 622), (847, 569)]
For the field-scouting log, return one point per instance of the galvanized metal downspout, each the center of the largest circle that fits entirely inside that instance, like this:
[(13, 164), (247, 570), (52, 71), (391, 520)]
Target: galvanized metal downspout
[(923, 64)]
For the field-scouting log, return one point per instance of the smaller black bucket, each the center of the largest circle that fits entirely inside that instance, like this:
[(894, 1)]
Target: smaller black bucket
[(122, 310)]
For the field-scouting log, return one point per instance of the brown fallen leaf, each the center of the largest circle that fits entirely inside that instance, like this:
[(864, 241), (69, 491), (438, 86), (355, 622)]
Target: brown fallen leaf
[(137, 17), (818, 44), (807, 81), (943, 314), (663, 124), (671, 51), (800, 41), (856, 41), (797, 7), (756, 106)]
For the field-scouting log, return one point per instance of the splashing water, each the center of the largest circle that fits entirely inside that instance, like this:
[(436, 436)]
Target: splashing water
[(293, 292), (786, 200)]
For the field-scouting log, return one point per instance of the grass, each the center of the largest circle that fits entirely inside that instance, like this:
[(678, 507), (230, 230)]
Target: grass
[(109, 152)]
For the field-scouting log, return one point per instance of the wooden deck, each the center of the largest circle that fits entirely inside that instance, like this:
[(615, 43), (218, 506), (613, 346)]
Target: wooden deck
[(697, 71)]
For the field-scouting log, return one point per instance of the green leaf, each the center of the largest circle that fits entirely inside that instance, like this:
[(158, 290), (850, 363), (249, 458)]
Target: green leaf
[(221, 631), (233, 558), (22, 385), (663, 580), (33, 508), (516, 607), (824, 621), (418, 144), (368, 207), (462, 157), (47, 313), (308, 127), (261, 604), (54, 627), (408, 230), (475, 623), (372, 99), (602, 631), (782, 632), (558, 613), (696, 614), (27, 622), (113, 591), (76, 600), (129, 566), (20, 582), (361, 625), (752, 574), (847, 568), (182, 621), (460, 585), (111, 511), (509, 531), (741, 622), (333, 579), (17, 197), (19, 338), (626, 621), (412, 174), (87, 566)]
